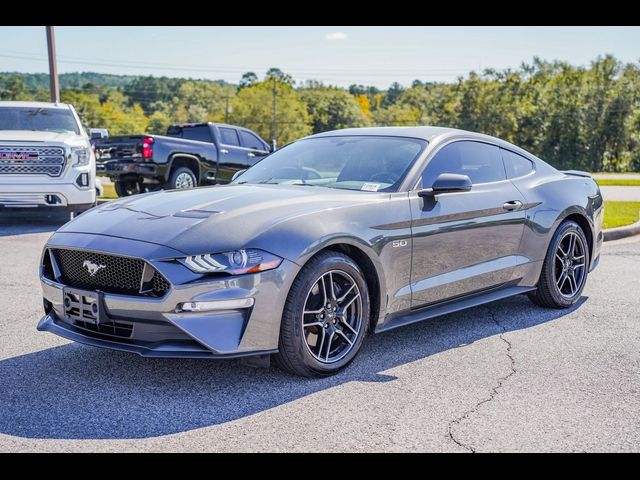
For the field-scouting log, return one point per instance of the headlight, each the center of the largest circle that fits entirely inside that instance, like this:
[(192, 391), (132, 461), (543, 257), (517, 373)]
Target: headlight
[(82, 156), (234, 263)]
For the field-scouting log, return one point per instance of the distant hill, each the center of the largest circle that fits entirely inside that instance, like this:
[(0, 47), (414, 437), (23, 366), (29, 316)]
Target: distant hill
[(77, 80)]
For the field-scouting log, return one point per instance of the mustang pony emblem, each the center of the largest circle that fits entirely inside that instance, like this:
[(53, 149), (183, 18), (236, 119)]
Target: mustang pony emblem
[(92, 268)]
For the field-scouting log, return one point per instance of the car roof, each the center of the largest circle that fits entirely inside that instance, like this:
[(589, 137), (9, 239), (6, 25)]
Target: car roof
[(34, 104), (202, 124), (428, 133)]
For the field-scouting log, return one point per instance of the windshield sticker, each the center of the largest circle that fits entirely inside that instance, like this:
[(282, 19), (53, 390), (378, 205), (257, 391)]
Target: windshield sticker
[(370, 187)]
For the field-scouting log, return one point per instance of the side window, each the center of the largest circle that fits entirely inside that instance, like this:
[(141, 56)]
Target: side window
[(229, 136), (200, 133), (249, 140), (481, 162), (517, 165)]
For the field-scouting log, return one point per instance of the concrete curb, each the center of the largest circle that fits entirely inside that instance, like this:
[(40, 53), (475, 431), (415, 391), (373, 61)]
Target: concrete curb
[(621, 232)]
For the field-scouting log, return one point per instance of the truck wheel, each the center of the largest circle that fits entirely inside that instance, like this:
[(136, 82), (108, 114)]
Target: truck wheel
[(126, 188), (181, 178)]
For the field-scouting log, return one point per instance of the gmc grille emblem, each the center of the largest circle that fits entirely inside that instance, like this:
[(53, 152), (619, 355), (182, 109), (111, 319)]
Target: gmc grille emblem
[(16, 155), (92, 268)]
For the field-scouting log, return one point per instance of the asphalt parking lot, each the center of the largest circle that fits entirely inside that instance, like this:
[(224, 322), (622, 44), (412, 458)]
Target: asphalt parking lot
[(503, 377)]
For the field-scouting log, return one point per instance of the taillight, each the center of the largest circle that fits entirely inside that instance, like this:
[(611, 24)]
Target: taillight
[(147, 147)]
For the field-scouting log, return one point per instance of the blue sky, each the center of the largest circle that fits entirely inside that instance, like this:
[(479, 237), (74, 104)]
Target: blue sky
[(336, 55)]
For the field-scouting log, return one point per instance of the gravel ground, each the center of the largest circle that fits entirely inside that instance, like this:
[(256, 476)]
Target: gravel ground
[(503, 377)]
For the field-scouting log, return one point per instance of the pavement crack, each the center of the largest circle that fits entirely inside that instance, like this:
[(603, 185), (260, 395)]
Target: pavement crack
[(494, 390)]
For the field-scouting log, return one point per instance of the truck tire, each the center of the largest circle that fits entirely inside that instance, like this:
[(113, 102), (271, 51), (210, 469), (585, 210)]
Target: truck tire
[(181, 178), (126, 188)]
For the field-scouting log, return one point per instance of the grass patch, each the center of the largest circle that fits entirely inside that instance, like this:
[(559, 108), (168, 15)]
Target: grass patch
[(109, 191), (618, 182), (617, 214)]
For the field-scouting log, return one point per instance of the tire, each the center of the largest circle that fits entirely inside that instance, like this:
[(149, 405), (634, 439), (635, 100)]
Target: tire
[(552, 291), (181, 178), (126, 188), (296, 353)]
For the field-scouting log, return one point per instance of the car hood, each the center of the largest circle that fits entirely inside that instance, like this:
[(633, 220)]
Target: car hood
[(212, 219), (32, 136)]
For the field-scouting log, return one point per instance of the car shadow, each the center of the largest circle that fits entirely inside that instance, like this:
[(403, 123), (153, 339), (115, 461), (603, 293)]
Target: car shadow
[(79, 392), (21, 221)]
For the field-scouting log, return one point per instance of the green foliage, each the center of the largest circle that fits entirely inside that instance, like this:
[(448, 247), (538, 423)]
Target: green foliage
[(252, 108), (585, 118), (332, 108), (158, 123), (618, 182), (617, 214)]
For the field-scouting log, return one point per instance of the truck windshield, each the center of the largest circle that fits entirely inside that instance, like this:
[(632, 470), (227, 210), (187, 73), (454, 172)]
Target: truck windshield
[(38, 119), (368, 163)]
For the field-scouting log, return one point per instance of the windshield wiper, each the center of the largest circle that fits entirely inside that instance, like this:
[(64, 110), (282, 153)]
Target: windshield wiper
[(305, 184)]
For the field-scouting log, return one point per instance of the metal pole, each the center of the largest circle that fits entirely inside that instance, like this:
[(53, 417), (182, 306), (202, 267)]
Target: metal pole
[(227, 110), (53, 69), (273, 115)]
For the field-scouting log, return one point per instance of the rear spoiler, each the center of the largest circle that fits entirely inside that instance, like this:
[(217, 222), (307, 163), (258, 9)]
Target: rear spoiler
[(576, 173)]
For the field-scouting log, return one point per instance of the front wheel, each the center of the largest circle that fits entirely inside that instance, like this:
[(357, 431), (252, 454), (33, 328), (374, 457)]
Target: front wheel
[(565, 268), (326, 317)]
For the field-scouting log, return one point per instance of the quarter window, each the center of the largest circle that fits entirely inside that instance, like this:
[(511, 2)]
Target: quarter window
[(517, 165), (229, 136), (481, 162)]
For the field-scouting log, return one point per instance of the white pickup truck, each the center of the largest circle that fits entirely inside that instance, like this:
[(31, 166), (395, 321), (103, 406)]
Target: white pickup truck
[(46, 160)]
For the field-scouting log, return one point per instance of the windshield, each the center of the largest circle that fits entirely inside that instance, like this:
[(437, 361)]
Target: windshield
[(367, 163), (38, 119)]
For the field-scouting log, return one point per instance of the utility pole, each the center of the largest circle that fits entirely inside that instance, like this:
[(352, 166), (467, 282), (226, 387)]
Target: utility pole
[(54, 84), (273, 114), (227, 110)]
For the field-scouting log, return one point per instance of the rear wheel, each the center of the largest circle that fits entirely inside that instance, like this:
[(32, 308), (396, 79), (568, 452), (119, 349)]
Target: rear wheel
[(326, 317), (125, 188), (182, 178), (565, 268)]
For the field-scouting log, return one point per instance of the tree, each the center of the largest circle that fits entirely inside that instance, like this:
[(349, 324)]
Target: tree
[(147, 90), (392, 95), (248, 79), (158, 123), (279, 75), (252, 108), (201, 101), (332, 108)]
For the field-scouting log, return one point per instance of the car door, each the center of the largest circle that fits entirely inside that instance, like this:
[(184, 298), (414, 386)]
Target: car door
[(254, 146), (464, 242), (232, 156)]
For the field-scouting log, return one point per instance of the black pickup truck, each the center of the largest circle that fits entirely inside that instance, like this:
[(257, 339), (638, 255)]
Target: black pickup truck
[(188, 155)]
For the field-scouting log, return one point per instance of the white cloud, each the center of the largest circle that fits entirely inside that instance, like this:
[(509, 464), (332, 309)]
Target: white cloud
[(335, 36)]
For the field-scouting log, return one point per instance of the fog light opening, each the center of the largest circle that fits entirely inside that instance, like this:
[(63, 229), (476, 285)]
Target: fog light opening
[(83, 180), (215, 305)]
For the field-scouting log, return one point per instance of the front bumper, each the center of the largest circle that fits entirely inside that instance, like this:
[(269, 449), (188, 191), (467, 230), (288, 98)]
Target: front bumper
[(21, 193), (157, 328)]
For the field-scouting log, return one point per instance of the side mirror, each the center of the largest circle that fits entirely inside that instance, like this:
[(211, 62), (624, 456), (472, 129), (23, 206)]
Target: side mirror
[(237, 174), (447, 183), (98, 133)]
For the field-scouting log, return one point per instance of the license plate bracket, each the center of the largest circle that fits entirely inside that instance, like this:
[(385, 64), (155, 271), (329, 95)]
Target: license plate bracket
[(83, 305)]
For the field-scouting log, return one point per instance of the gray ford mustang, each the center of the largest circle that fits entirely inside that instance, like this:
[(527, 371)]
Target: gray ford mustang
[(333, 236)]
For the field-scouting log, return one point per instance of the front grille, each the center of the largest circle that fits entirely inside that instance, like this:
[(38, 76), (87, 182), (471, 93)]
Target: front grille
[(27, 160), (111, 273), (112, 329)]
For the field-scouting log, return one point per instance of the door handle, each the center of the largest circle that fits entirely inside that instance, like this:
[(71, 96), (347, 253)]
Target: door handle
[(251, 155), (512, 205), (224, 151)]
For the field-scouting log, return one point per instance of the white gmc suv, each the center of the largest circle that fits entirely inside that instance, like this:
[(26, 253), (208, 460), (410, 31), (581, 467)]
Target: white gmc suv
[(46, 159)]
